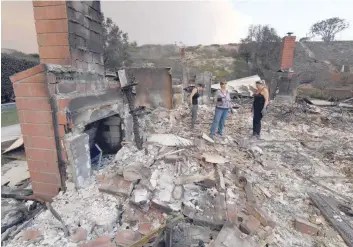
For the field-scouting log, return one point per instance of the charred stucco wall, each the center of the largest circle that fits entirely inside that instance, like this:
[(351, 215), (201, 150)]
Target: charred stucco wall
[(154, 87)]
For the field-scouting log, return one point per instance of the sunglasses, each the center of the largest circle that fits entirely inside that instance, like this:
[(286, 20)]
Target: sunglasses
[(223, 83)]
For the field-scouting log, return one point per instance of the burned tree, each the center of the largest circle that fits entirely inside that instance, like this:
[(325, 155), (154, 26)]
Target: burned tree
[(261, 49)]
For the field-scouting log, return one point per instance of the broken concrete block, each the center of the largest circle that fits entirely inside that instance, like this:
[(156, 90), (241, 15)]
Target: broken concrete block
[(198, 233), (189, 211), (213, 216), (135, 172), (140, 196), (305, 226), (126, 237), (78, 152), (230, 236), (132, 173), (169, 140), (250, 225), (214, 158)]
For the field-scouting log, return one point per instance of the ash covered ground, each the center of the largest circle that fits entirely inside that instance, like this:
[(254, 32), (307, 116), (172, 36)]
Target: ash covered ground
[(303, 149)]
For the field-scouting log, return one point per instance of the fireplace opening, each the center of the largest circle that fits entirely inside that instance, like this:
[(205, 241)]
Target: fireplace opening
[(105, 137)]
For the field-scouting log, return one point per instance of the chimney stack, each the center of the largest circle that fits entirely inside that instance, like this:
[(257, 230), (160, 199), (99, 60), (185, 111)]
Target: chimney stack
[(287, 52), (70, 33)]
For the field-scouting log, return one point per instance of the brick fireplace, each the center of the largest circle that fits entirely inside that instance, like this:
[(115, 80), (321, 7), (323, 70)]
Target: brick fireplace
[(65, 100)]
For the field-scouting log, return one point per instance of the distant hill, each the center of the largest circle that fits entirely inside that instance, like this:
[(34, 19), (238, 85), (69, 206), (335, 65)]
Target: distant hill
[(314, 62), (218, 59)]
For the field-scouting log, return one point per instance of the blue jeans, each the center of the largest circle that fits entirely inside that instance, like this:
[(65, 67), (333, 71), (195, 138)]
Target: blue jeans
[(218, 120)]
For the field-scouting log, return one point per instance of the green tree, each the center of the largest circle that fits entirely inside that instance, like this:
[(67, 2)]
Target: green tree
[(117, 48), (328, 28)]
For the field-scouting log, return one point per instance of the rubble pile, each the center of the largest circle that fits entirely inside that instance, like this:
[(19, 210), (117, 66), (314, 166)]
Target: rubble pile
[(230, 191)]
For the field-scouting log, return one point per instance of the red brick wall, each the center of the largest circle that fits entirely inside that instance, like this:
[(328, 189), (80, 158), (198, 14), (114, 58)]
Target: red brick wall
[(36, 120), (70, 33), (52, 31), (287, 52)]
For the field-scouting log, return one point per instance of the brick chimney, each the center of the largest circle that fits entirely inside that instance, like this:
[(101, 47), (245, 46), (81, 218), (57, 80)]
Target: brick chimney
[(70, 33), (287, 52)]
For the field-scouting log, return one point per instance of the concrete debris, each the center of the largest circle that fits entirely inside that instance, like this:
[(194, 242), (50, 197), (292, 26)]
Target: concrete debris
[(178, 192), (214, 158), (226, 197), (169, 140), (230, 236), (140, 197), (207, 138), (134, 172), (17, 173)]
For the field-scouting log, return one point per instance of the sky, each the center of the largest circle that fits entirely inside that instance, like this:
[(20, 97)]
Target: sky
[(187, 22)]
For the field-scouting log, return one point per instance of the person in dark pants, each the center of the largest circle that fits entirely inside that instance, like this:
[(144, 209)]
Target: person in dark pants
[(222, 108), (259, 106), (194, 100)]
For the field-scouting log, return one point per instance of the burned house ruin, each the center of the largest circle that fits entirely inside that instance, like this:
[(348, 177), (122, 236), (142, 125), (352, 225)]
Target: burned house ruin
[(68, 109)]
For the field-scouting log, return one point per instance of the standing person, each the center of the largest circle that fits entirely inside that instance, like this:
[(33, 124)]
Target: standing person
[(259, 106), (194, 100), (222, 107)]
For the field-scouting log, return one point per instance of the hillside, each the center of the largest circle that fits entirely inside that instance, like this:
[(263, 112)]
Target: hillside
[(313, 61), (317, 63), (217, 59)]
